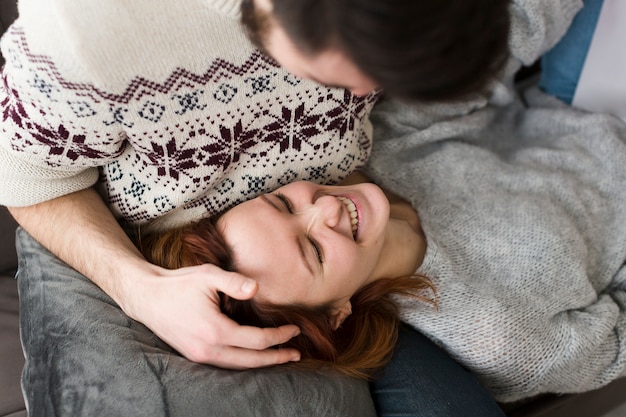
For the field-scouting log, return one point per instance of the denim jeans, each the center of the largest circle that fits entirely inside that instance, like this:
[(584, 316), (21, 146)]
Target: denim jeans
[(85, 357), (562, 65), (422, 380)]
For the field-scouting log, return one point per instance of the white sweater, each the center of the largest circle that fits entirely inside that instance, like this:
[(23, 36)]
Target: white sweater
[(164, 104), (524, 211)]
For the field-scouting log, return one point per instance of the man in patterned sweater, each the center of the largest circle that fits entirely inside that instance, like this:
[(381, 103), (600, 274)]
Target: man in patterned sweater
[(130, 110), (180, 113)]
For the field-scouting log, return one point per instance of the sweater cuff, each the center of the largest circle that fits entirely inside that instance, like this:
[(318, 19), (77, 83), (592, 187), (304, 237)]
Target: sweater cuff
[(23, 184)]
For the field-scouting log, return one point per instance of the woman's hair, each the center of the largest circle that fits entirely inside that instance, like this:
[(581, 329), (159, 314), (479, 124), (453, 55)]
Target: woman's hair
[(363, 343), (415, 49)]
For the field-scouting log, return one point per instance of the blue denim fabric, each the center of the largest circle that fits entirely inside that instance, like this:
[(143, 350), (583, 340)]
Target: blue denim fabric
[(562, 65), (422, 380)]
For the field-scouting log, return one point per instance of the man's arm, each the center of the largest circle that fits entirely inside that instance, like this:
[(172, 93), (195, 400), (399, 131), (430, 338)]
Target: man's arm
[(180, 306)]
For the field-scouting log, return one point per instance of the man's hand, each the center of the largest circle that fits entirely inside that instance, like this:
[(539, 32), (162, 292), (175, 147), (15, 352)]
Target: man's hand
[(182, 308)]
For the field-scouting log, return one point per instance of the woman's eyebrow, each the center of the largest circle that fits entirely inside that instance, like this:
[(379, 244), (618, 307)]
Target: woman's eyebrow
[(270, 202)]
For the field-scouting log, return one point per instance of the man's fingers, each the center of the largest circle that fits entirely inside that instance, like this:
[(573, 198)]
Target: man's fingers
[(249, 337), (239, 347), (238, 358), (231, 283), (221, 341)]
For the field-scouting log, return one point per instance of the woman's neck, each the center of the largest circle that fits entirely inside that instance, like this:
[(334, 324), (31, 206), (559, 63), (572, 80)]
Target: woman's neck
[(405, 243)]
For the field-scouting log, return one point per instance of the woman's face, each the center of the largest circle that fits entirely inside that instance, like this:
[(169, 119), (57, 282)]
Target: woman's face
[(309, 244)]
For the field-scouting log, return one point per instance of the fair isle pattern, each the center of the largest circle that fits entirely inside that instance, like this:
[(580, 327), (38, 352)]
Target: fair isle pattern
[(203, 142)]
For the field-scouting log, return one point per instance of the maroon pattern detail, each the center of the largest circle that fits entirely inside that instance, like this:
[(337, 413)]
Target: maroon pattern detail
[(59, 140), (139, 87), (73, 146), (232, 143), (12, 107), (345, 115), (292, 129), (171, 160)]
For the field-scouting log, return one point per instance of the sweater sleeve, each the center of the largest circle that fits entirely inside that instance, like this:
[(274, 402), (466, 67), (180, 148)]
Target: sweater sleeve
[(587, 348), (54, 134), (518, 351), (571, 351), (537, 25)]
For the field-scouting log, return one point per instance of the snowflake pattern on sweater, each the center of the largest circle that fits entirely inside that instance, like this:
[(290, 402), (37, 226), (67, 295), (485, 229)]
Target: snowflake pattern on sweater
[(203, 142)]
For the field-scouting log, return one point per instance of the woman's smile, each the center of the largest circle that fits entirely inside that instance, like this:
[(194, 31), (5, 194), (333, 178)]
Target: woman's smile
[(353, 213)]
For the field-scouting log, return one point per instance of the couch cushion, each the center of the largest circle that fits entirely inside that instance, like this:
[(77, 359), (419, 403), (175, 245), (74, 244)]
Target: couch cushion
[(86, 357), (11, 357), (8, 13), (8, 258)]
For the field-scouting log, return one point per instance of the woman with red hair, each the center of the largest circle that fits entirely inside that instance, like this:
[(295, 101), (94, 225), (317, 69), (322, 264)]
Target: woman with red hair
[(519, 227), (337, 287)]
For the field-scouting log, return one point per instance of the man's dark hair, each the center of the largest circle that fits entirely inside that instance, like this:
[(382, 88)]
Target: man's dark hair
[(415, 49)]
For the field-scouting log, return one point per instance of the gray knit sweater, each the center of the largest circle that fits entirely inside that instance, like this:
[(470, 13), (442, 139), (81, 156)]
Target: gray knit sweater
[(524, 210)]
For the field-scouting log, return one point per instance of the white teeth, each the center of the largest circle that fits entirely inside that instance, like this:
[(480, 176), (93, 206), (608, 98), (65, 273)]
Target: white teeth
[(354, 216)]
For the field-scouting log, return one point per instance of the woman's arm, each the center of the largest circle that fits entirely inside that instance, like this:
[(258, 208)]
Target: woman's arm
[(180, 306), (536, 26)]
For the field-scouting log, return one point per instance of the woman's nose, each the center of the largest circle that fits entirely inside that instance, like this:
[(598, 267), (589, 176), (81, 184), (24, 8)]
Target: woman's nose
[(329, 210)]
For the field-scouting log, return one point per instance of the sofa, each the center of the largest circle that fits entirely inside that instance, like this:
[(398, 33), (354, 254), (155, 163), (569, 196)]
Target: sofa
[(595, 403), (11, 357)]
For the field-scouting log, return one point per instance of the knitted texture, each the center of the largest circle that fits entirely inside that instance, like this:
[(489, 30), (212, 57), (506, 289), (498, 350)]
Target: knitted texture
[(166, 105), (524, 211)]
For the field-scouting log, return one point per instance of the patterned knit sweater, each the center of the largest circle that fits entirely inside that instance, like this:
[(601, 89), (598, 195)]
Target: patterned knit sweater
[(166, 105), (524, 210)]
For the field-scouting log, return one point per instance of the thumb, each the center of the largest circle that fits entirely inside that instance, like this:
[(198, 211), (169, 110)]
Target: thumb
[(237, 286)]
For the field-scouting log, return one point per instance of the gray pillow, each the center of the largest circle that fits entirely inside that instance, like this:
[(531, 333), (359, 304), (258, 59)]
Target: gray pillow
[(85, 357)]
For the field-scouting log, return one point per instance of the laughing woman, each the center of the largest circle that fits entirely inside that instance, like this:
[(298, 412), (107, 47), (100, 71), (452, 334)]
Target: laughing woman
[(327, 258), (522, 238)]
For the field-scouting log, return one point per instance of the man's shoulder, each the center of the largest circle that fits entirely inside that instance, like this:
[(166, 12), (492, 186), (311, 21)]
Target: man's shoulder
[(109, 43)]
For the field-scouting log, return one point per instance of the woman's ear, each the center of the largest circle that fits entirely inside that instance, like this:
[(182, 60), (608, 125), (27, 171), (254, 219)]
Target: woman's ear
[(339, 314)]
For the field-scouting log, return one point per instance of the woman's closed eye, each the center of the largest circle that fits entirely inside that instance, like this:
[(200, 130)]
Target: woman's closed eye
[(318, 250), (285, 201), (319, 254)]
